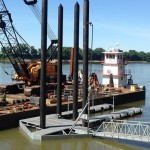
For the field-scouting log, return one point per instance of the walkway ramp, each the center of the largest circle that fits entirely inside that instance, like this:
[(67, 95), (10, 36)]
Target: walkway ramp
[(121, 129)]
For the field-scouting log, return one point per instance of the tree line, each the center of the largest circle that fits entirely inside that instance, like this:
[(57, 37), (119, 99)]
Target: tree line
[(95, 54)]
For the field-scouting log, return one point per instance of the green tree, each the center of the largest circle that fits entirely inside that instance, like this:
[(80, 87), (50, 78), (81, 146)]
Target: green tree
[(3, 52), (126, 55), (34, 52), (142, 55), (66, 53), (39, 52), (133, 55), (148, 56), (80, 54), (98, 54)]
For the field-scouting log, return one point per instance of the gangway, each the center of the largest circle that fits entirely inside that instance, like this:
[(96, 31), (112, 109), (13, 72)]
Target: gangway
[(122, 129)]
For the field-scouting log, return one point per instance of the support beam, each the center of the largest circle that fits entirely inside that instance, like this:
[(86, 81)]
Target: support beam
[(59, 72), (85, 54), (43, 64), (75, 64)]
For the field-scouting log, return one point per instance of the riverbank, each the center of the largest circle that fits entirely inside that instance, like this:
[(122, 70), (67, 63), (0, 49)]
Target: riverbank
[(100, 62), (80, 61)]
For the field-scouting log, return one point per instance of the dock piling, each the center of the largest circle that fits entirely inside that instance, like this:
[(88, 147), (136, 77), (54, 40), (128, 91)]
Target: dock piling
[(59, 72), (75, 65), (85, 54), (43, 64)]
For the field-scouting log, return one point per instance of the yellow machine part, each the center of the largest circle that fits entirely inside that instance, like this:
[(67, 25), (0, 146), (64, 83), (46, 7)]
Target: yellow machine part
[(34, 71)]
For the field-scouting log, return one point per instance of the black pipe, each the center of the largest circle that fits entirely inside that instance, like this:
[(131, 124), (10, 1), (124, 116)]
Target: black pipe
[(43, 64), (85, 55), (75, 64), (59, 72)]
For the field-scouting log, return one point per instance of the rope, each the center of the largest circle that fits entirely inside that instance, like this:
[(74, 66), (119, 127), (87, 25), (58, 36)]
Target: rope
[(4, 70)]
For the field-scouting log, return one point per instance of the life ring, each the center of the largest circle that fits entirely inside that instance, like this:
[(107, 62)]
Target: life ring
[(108, 71)]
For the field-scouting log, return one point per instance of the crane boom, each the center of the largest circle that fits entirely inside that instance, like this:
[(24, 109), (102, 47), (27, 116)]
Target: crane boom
[(9, 41), (37, 12)]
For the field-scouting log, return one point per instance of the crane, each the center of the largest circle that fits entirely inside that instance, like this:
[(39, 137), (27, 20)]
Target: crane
[(29, 72), (10, 43)]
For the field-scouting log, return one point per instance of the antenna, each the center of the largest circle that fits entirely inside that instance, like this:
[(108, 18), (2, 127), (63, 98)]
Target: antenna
[(117, 46)]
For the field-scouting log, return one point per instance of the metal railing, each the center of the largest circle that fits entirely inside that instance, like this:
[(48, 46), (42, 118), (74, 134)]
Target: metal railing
[(80, 114), (132, 130)]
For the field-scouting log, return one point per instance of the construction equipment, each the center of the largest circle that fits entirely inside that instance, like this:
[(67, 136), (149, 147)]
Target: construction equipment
[(26, 71), (37, 12)]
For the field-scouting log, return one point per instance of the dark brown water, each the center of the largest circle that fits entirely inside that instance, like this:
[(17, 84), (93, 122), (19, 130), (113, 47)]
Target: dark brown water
[(14, 139)]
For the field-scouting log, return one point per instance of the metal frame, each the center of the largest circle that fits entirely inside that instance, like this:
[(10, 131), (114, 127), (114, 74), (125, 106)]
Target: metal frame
[(131, 130)]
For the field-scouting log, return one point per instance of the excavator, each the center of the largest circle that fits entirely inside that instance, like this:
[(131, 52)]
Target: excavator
[(26, 71)]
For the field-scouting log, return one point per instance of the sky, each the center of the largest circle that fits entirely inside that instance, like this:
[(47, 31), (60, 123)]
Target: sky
[(126, 22)]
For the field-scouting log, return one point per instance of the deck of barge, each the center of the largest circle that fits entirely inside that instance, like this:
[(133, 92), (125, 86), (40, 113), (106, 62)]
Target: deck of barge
[(7, 116)]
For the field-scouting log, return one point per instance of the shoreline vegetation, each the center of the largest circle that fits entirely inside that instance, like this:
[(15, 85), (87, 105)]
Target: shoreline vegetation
[(80, 61), (96, 55), (99, 62)]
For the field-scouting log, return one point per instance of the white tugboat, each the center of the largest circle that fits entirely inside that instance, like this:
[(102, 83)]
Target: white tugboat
[(114, 67)]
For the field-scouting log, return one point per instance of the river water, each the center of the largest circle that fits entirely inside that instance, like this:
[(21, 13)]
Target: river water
[(14, 139)]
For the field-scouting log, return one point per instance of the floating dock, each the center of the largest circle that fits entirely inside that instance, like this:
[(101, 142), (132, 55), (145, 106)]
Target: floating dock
[(56, 128), (117, 115)]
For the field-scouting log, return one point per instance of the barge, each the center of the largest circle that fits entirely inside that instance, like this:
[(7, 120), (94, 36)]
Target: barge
[(20, 107), (117, 88)]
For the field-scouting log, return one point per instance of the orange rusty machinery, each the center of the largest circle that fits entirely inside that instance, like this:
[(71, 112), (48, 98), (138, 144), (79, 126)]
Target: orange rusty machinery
[(34, 70)]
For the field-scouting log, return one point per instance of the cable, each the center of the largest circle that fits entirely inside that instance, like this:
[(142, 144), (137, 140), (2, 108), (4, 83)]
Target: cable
[(4, 70), (37, 12)]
